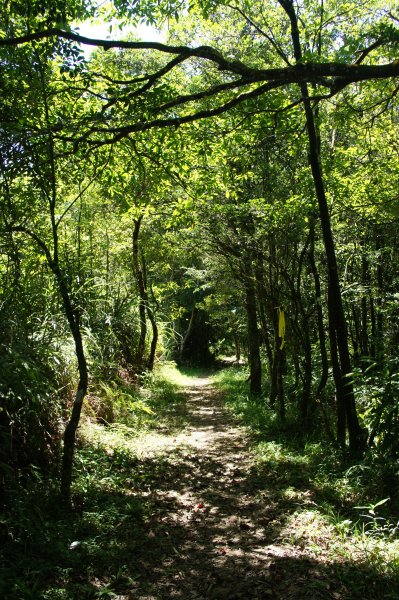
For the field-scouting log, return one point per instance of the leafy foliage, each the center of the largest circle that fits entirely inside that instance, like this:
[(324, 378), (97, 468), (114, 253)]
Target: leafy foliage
[(157, 201)]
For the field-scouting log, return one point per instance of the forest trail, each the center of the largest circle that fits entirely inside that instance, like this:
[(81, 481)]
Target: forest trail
[(216, 529)]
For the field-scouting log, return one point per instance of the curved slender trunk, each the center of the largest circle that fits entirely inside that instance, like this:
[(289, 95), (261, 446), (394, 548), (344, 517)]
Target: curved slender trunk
[(151, 317), (320, 321), (336, 312), (72, 425), (72, 315), (138, 273), (188, 333), (255, 367)]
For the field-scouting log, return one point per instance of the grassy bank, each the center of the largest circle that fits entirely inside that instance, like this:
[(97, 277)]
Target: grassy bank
[(336, 509), (92, 551)]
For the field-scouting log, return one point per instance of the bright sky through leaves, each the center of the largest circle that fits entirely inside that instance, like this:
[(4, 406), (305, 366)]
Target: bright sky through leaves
[(96, 30)]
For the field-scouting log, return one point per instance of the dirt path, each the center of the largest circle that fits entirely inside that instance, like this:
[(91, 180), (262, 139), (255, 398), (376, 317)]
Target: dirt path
[(215, 530), (188, 509)]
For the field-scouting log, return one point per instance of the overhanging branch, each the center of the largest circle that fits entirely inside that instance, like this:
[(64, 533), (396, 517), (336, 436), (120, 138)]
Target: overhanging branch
[(306, 72), (333, 76)]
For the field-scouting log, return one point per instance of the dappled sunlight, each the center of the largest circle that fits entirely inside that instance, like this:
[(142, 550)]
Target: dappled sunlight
[(189, 377), (200, 382), (214, 519), (198, 511), (307, 528)]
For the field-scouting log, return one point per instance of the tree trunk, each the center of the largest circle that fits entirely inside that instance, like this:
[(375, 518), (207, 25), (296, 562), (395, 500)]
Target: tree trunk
[(72, 316), (320, 321), (336, 312), (255, 367), (138, 273), (364, 336), (73, 423), (151, 317)]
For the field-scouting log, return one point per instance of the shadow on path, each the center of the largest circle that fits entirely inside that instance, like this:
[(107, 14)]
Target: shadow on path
[(216, 529)]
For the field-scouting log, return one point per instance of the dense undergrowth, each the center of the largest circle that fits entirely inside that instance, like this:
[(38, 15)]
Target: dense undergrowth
[(357, 501), (54, 554)]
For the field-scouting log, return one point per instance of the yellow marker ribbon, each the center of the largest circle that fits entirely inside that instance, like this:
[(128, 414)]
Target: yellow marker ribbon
[(281, 326)]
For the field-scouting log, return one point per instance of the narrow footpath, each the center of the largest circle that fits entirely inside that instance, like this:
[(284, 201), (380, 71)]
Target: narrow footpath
[(216, 529)]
